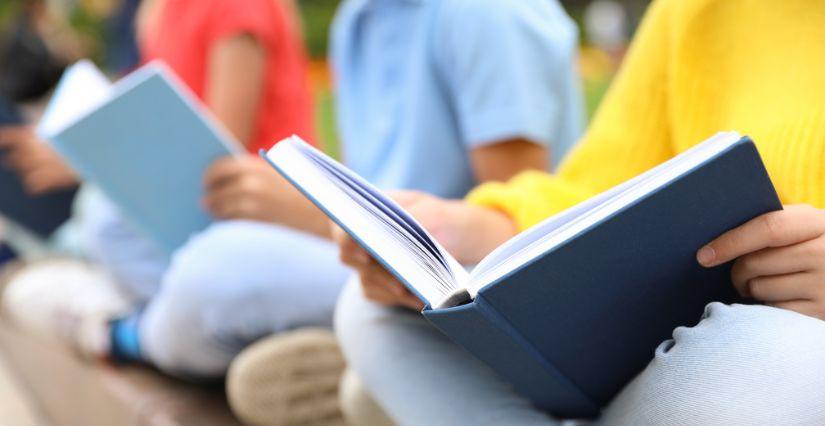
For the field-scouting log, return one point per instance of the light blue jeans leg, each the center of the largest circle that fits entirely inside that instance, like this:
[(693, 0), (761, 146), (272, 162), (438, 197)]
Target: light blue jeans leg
[(232, 284), (417, 375), (134, 262), (742, 365)]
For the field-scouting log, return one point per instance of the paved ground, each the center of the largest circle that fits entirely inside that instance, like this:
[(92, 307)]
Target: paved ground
[(14, 408)]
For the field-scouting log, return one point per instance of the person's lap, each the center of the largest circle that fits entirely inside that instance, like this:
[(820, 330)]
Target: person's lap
[(416, 374), (233, 283), (740, 365), (136, 265)]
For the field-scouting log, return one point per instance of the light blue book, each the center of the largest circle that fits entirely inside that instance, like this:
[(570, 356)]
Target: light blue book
[(146, 142)]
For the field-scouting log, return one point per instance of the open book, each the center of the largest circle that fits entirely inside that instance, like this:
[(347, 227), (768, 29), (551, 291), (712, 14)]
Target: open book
[(572, 309), (405, 248)]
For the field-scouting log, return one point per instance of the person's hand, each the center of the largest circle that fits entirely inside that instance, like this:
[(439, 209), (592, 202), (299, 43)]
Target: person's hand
[(377, 284), (780, 259), (467, 232), (245, 187), (39, 167)]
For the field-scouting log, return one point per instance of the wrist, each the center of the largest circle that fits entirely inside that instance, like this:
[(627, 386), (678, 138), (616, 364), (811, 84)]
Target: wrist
[(297, 212), (484, 230)]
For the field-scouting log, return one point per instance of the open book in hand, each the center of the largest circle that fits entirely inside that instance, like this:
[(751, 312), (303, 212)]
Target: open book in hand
[(572, 309), (145, 141)]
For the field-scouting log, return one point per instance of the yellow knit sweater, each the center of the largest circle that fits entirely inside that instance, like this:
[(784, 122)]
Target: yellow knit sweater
[(695, 68)]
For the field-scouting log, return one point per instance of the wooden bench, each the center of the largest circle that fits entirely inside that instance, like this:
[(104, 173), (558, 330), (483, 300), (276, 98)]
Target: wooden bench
[(69, 391)]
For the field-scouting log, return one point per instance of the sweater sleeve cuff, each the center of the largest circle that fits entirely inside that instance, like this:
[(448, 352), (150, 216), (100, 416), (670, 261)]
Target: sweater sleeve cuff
[(527, 199)]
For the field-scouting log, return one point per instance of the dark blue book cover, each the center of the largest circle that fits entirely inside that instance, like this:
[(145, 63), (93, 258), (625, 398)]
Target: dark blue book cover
[(41, 215), (571, 310), (570, 329)]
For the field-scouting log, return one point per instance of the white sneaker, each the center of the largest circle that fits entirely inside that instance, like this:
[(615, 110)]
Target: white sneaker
[(65, 299), (288, 379)]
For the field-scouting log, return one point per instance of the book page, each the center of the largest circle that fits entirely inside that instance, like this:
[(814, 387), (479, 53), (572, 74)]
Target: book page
[(377, 200), (82, 88), (379, 224)]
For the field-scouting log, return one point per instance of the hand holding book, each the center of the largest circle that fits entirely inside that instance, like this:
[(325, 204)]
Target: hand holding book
[(40, 168), (779, 256), (377, 284), (467, 232), (247, 188), (780, 259), (28, 166), (570, 310)]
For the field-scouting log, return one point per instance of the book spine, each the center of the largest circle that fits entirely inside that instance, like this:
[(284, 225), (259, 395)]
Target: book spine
[(479, 329)]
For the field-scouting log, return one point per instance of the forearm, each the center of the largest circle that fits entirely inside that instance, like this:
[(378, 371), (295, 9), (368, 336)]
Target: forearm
[(483, 231), (502, 160), (302, 215), (236, 71)]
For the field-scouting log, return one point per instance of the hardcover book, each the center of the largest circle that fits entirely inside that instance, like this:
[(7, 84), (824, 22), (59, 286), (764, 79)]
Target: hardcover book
[(572, 309)]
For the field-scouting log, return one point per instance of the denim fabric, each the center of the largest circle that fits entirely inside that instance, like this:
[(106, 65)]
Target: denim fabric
[(741, 365)]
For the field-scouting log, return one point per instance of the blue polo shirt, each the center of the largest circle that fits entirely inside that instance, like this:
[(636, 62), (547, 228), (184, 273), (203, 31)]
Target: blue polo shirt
[(422, 82)]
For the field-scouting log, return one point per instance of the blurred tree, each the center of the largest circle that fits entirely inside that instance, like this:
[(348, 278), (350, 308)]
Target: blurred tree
[(32, 53), (317, 16), (7, 10)]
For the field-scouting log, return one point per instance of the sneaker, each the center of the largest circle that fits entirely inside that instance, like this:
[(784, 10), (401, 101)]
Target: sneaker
[(64, 299), (288, 379)]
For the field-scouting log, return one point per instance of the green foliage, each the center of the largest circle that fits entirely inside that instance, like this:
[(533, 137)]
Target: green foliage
[(8, 9), (594, 91), (325, 123), (317, 16), (91, 29)]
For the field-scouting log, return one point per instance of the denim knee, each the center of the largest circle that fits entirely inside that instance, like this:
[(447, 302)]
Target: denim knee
[(234, 283), (177, 330), (358, 324), (132, 260), (349, 321), (367, 331), (740, 365), (184, 327)]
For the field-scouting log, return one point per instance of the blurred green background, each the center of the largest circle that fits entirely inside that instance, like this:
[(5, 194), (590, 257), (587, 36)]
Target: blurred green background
[(87, 20)]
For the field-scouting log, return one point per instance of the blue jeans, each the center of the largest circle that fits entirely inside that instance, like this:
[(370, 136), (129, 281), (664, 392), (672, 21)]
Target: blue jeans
[(741, 365), (233, 283)]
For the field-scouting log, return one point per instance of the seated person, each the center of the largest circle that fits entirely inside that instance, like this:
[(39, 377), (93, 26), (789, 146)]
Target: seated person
[(695, 68), (434, 96), (35, 47), (243, 60)]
